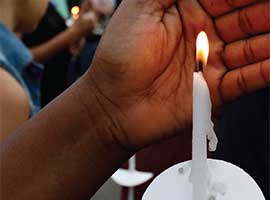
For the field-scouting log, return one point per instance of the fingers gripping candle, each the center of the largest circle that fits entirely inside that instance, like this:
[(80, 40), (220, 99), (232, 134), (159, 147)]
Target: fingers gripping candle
[(202, 124)]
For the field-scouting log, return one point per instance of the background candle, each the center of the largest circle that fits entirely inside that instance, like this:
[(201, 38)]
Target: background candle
[(132, 168)]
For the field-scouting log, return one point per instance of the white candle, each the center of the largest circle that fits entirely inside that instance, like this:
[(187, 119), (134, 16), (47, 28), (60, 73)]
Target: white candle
[(201, 121), (202, 124)]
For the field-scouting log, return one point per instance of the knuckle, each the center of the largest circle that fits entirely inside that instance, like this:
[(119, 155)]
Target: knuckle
[(241, 82), (248, 51), (245, 23), (266, 14), (268, 45), (265, 71)]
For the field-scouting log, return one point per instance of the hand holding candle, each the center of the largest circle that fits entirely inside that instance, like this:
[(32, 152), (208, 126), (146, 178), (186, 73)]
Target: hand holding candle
[(148, 67)]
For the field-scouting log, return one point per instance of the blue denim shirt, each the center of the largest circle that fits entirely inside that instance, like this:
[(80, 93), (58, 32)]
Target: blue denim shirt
[(16, 59)]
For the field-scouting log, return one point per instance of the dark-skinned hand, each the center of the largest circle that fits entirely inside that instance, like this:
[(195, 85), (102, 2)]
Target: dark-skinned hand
[(143, 69)]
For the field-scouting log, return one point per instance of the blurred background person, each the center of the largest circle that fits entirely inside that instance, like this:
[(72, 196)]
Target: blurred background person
[(105, 9), (50, 45), (20, 75)]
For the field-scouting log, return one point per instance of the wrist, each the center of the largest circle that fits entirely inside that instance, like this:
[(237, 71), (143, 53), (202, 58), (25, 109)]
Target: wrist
[(104, 117)]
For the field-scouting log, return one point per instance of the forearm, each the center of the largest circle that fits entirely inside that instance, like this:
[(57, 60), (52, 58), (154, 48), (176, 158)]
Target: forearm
[(46, 50), (66, 152)]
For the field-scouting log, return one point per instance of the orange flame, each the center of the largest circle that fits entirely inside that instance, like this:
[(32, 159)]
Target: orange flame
[(202, 49)]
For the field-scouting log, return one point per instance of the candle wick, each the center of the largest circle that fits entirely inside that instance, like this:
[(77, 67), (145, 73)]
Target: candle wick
[(200, 65)]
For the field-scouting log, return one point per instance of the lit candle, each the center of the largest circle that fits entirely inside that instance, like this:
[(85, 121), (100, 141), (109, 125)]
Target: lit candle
[(75, 14), (202, 179), (202, 124)]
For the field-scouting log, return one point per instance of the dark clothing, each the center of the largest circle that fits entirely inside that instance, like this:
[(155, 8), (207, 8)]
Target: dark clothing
[(244, 133), (87, 55), (89, 52), (55, 72)]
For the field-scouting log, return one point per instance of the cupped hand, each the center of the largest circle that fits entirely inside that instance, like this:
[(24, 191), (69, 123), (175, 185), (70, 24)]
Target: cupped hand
[(142, 70)]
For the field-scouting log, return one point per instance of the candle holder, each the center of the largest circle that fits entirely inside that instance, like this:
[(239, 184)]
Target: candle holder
[(131, 177), (227, 182)]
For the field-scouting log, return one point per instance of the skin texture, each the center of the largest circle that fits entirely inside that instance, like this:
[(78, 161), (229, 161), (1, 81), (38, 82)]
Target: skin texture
[(137, 92), (156, 51)]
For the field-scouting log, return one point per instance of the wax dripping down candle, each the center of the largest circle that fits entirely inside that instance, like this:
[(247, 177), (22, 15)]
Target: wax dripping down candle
[(202, 124)]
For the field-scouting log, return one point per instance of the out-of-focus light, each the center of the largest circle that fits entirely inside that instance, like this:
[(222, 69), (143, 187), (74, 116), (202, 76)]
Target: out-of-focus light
[(75, 12)]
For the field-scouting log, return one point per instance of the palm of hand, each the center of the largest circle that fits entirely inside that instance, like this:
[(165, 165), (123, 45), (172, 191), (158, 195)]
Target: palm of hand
[(149, 72)]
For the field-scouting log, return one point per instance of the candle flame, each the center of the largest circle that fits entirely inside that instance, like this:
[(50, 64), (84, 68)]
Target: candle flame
[(75, 11), (202, 49)]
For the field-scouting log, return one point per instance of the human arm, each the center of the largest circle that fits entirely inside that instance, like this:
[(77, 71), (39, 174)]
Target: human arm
[(14, 104), (81, 28), (66, 152)]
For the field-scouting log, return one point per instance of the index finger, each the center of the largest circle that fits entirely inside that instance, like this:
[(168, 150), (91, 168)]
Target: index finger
[(247, 79), (220, 7), (243, 23)]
